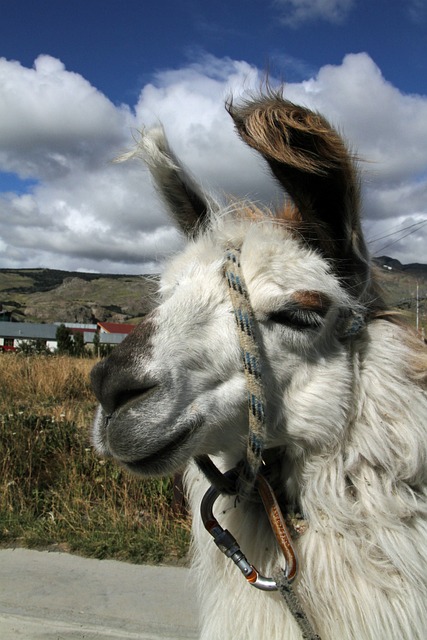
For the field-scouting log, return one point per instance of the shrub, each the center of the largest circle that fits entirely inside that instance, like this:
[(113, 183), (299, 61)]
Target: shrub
[(64, 339), (55, 490), (33, 348)]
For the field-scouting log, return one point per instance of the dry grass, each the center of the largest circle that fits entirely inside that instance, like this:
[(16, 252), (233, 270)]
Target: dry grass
[(54, 490), (59, 383)]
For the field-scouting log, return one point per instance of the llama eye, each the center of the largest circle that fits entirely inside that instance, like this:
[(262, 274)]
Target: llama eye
[(297, 318)]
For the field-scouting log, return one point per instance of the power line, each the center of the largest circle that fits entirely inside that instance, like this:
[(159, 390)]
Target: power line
[(419, 225), (392, 233), (390, 244)]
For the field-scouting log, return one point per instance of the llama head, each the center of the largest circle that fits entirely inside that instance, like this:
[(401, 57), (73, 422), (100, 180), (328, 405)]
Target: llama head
[(175, 388)]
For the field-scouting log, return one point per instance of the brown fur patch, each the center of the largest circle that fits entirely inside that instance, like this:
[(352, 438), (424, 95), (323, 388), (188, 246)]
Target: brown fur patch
[(246, 210), (313, 300), (289, 213)]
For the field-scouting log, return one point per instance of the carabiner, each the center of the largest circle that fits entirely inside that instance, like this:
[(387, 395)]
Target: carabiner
[(226, 542)]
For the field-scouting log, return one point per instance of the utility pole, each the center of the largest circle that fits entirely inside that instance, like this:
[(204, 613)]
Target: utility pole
[(418, 312)]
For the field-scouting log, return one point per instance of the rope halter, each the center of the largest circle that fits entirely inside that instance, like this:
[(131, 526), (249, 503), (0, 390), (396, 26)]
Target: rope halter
[(247, 477), (249, 344)]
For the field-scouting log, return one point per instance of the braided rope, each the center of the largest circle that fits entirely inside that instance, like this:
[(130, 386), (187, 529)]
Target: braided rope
[(290, 597), (249, 344), (246, 324)]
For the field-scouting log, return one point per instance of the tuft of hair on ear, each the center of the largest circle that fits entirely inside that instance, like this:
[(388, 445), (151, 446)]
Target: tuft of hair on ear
[(312, 163), (289, 134), (151, 147), (188, 204)]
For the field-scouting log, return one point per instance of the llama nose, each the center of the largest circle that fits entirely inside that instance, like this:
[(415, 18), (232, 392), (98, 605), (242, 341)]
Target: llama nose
[(98, 379), (113, 390), (101, 387), (121, 377)]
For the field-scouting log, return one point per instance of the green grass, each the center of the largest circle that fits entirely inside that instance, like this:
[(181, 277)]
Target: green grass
[(54, 490)]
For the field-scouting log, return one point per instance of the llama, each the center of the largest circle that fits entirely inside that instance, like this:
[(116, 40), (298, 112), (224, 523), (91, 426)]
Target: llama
[(343, 380)]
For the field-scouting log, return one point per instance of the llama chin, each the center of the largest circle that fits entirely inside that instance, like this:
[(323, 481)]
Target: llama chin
[(343, 379)]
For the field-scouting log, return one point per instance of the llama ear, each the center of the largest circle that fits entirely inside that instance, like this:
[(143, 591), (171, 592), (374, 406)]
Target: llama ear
[(311, 162), (186, 201)]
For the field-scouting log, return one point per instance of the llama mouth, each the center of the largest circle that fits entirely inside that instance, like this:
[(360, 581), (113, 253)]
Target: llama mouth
[(167, 457), (164, 457)]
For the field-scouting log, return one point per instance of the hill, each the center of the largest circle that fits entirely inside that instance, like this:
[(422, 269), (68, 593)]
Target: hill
[(404, 286), (50, 295)]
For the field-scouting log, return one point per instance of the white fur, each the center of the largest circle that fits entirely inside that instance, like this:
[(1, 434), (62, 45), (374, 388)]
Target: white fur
[(349, 419), (358, 440)]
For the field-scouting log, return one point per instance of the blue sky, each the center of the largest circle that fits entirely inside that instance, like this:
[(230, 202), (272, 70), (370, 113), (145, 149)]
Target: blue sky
[(78, 77), (118, 44)]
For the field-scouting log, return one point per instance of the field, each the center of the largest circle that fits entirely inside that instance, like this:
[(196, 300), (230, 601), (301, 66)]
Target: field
[(54, 491)]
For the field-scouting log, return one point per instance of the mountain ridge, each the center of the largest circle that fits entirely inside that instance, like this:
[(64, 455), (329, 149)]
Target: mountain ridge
[(54, 295)]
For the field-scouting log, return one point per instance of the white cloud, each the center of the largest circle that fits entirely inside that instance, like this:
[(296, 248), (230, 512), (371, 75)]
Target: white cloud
[(50, 118), (388, 131), (385, 126), (190, 104), (417, 10), (296, 12), (86, 212)]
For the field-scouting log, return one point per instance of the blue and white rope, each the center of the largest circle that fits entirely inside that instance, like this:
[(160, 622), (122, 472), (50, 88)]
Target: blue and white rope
[(249, 343)]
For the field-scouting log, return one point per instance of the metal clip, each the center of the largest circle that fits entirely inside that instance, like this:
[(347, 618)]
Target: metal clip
[(226, 542)]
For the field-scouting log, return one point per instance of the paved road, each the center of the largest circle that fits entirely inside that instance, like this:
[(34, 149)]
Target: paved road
[(56, 596)]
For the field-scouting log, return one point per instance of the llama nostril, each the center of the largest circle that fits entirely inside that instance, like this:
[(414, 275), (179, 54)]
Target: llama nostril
[(124, 396), (114, 391)]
